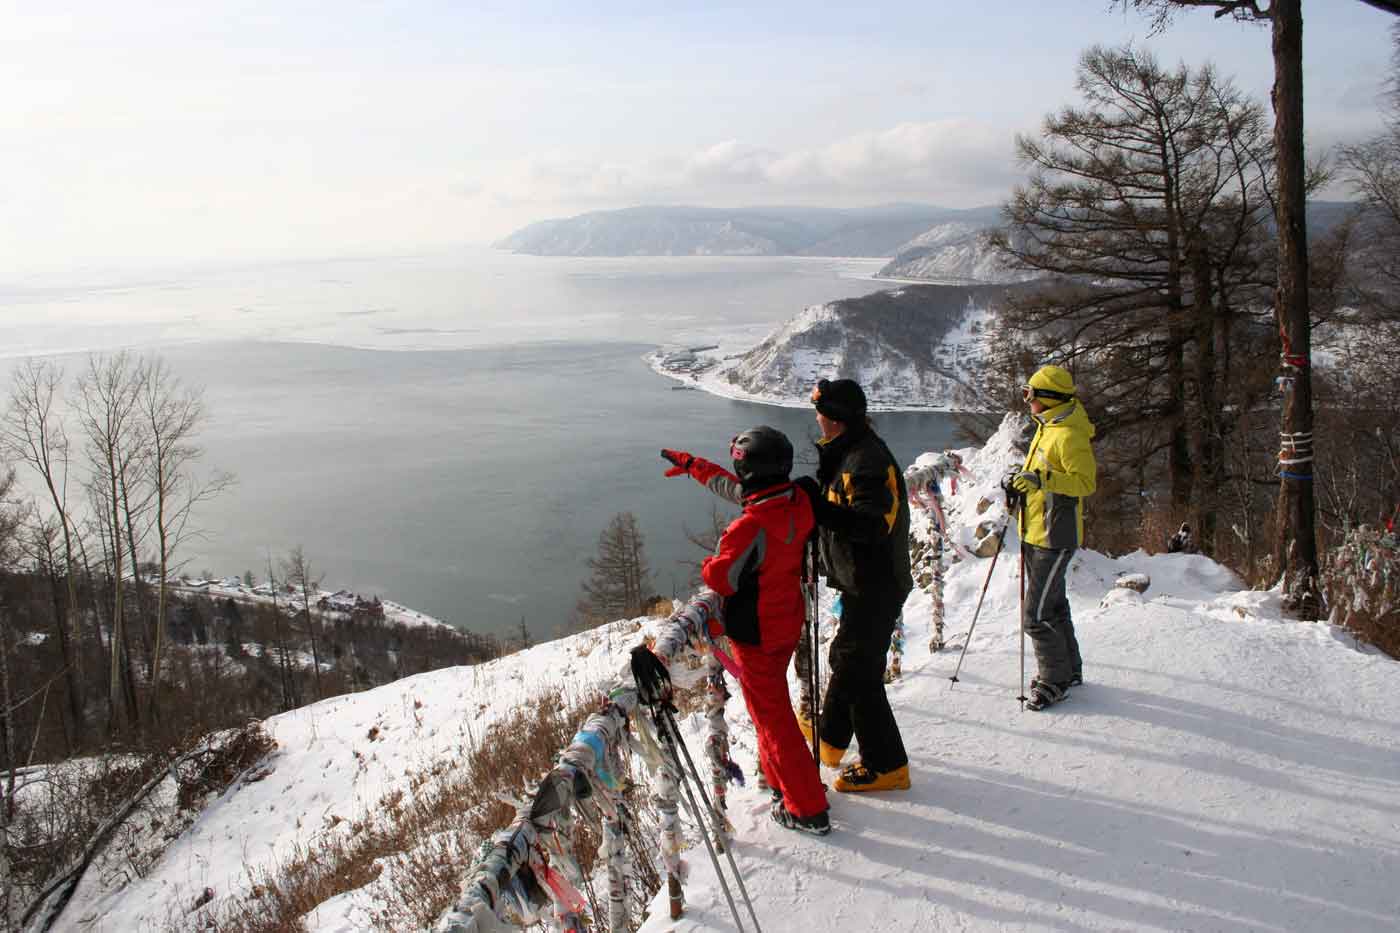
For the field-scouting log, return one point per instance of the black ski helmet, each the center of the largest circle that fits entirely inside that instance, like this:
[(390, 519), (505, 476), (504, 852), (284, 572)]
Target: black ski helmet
[(762, 455)]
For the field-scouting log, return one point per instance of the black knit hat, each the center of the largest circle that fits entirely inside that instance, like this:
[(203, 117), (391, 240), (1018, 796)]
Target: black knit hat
[(840, 400)]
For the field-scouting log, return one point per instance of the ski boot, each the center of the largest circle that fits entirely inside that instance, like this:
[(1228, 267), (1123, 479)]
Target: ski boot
[(818, 825), (857, 778), (1045, 694)]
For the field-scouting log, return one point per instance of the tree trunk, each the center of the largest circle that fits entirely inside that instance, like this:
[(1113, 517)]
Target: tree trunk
[(311, 633), (65, 647), (1179, 453), (98, 605), (1295, 545), (137, 584), (1207, 419), (153, 703), (117, 636), (7, 747)]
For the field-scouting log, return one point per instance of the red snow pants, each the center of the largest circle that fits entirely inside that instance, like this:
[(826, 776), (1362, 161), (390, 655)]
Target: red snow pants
[(783, 754)]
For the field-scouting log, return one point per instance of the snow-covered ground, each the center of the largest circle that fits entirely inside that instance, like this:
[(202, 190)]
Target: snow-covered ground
[(1222, 768), (233, 588)]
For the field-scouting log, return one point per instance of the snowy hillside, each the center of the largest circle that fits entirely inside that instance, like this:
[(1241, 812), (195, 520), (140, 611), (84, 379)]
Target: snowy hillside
[(919, 346), (952, 252), (1221, 769)]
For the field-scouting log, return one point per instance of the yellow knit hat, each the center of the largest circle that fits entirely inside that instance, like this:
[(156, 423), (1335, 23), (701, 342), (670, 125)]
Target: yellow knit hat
[(1053, 379)]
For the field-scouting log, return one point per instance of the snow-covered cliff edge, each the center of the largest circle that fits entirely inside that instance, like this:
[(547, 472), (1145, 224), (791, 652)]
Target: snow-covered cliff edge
[(916, 347)]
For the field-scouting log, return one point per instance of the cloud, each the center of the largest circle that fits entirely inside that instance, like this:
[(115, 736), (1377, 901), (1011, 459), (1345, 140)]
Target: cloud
[(950, 161)]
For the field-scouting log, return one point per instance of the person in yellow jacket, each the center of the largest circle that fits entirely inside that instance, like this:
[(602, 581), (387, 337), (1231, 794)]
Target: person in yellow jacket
[(1058, 475)]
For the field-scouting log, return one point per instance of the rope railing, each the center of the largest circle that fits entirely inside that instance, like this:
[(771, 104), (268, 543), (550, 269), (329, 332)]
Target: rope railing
[(528, 873)]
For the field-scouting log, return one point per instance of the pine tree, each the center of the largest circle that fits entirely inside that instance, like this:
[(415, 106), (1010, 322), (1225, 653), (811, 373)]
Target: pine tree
[(1149, 206), (618, 585)]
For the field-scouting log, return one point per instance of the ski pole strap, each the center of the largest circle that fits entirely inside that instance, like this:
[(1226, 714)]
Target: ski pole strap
[(652, 678)]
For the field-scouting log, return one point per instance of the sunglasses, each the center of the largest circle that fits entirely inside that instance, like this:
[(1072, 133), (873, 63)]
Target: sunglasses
[(735, 451)]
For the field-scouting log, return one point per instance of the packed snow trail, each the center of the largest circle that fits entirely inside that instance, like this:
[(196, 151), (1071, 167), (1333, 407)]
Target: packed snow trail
[(1219, 770)]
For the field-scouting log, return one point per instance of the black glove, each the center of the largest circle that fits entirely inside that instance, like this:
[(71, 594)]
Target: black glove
[(680, 459), (1008, 486), (653, 680)]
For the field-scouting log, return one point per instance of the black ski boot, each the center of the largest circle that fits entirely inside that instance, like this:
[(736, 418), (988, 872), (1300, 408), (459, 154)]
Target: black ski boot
[(1075, 680), (818, 825), (1045, 694)]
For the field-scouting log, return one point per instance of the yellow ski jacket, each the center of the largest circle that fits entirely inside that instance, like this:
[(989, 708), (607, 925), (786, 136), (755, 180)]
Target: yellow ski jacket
[(1060, 454)]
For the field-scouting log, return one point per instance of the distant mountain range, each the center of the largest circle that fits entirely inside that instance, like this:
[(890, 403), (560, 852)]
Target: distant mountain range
[(748, 231)]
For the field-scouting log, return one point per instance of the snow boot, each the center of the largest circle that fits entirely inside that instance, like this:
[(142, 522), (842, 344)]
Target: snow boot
[(831, 755), (818, 825), (1045, 694), (857, 778), (1075, 680)]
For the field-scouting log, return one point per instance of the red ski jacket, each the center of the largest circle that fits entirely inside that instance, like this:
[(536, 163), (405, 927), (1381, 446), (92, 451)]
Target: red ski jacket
[(757, 566)]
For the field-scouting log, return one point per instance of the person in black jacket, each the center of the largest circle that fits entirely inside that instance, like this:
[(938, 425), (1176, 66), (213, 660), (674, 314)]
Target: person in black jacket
[(862, 512)]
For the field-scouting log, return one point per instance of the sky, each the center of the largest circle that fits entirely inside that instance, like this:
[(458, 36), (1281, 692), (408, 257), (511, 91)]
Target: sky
[(152, 133)]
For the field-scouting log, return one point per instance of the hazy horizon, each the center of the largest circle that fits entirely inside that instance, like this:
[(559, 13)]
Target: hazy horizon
[(246, 130)]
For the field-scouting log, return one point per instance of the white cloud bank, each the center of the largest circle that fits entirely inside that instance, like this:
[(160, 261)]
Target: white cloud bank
[(950, 162)]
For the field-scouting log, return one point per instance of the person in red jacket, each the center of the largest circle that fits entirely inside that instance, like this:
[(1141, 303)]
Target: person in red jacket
[(757, 568)]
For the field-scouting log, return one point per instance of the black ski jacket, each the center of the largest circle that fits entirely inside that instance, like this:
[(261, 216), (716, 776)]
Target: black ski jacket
[(864, 518)]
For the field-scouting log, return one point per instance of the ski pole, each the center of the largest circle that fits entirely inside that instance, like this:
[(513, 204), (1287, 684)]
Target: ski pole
[(688, 797), (694, 776), (1001, 540), (813, 650), (1022, 697), (654, 691)]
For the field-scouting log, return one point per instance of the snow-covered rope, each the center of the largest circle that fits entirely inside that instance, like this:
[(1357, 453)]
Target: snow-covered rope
[(530, 866), (924, 483), (722, 767)]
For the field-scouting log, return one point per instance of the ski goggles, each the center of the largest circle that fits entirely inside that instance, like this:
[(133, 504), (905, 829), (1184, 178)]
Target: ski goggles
[(1029, 392)]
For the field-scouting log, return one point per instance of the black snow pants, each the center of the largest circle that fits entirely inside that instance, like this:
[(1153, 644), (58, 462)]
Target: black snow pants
[(855, 698), (1047, 618)]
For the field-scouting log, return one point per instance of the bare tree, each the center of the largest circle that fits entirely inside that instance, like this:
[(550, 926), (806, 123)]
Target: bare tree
[(9, 521), (32, 433), (298, 572), (170, 415), (1373, 170), (705, 541), (289, 691), (1360, 476), (617, 587), (1295, 545), (106, 411)]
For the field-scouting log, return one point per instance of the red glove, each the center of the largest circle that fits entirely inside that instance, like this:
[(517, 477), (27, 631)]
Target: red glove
[(680, 459)]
